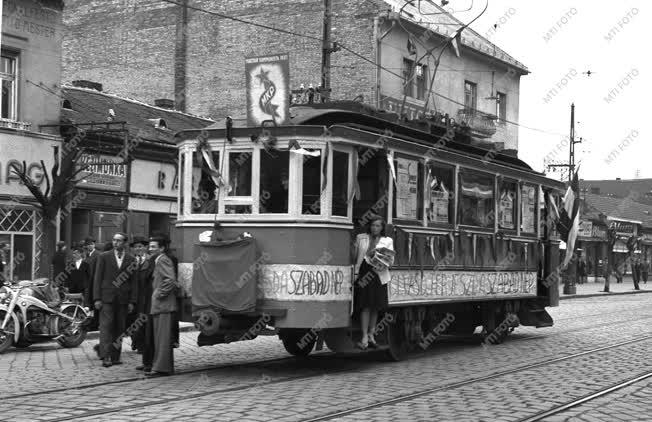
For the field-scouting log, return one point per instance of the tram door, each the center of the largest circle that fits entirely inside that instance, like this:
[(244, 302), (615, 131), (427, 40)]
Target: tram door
[(373, 179)]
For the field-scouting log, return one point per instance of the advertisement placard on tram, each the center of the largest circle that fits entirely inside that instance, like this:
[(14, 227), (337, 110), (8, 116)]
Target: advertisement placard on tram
[(268, 89), (305, 282)]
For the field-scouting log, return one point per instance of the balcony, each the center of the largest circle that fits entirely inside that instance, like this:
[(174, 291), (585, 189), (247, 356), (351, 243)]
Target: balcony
[(481, 125), (14, 124)]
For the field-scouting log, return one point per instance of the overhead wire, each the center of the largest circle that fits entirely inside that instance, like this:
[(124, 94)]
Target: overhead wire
[(352, 52)]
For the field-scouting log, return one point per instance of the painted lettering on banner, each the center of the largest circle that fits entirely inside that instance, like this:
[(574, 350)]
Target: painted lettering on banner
[(410, 286), (305, 282)]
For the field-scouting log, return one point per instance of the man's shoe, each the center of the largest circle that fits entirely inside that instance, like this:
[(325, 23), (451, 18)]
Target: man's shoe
[(116, 362), (144, 368), (97, 350), (107, 363), (155, 374)]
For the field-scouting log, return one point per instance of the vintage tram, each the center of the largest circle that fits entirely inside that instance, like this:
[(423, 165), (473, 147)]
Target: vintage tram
[(267, 216)]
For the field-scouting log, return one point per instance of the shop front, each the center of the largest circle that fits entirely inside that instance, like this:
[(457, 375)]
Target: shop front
[(100, 199), (153, 198), (625, 230), (592, 240), (20, 219)]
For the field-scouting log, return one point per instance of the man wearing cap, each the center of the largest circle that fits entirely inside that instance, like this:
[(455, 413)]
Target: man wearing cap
[(115, 291)]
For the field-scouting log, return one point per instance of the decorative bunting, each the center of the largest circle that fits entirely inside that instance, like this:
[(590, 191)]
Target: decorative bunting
[(324, 183), (431, 244), (355, 192), (410, 238), (451, 238), (494, 244), (525, 253), (391, 167), (475, 243)]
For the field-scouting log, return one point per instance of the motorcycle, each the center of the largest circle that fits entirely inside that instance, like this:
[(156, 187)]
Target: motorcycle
[(34, 312)]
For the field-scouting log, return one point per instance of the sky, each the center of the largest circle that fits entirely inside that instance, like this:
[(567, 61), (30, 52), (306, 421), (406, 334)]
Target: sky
[(558, 41)]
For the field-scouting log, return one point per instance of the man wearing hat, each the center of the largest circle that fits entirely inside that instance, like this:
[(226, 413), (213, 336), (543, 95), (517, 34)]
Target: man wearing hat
[(115, 291), (144, 280), (91, 260)]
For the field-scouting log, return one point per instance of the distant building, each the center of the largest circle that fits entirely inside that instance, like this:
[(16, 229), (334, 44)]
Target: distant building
[(639, 190), (155, 49)]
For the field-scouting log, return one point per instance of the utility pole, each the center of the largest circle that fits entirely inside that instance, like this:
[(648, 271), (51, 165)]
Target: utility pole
[(327, 49)]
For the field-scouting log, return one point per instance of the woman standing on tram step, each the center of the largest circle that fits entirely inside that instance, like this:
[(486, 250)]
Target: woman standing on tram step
[(374, 254)]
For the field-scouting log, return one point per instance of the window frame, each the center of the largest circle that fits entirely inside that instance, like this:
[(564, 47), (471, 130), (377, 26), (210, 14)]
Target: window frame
[(515, 207), (521, 203), (458, 202), (224, 198), (473, 95), (452, 204), (421, 81), (501, 107), (421, 174), (15, 78), (409, 73)]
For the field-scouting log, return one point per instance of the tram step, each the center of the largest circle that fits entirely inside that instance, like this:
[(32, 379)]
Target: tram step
[(535, 318)]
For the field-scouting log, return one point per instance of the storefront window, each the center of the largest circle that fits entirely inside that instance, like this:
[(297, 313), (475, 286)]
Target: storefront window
[(507, 206), (312, 179), (440, 194), (340, 183), (528, 209), (408, 198), (274, 181), (240, 173), (476, 199), (204, 186)]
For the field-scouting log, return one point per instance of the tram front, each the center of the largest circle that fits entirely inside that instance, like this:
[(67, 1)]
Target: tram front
[(263, 233)]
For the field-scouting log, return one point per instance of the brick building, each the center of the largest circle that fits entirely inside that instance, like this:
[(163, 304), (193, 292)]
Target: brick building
[(158, 49)]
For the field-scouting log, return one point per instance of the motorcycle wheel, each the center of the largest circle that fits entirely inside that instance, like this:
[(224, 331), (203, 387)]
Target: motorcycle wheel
[(72, 340), (6, 335)]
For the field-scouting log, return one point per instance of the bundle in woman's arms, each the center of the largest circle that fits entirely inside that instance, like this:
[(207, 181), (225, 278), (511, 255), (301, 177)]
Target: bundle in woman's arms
[(382, 258)]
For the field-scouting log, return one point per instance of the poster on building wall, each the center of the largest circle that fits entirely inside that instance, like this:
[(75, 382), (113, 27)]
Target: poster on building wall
[(407, 172), (528, 210), (104, 172), (586, 229), (268, 89)]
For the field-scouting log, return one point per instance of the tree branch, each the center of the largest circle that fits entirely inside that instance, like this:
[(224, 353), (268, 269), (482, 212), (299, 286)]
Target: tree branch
[(47, 179)]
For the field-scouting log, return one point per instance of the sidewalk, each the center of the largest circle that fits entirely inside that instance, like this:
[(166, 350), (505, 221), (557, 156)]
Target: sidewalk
[(596, 288)]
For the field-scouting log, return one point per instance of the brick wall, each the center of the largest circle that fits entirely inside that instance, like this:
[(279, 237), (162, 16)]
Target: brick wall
[(129, 46)]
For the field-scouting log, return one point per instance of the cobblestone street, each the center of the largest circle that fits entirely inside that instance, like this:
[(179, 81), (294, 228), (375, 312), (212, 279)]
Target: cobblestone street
[(596, 342)]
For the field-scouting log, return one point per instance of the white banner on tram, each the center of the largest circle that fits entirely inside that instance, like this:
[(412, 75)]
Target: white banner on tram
[(411, 286), (305, 282)]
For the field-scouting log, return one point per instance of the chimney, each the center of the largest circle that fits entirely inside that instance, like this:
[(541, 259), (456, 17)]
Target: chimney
[(87, 84), (164, 103), (617, 178)]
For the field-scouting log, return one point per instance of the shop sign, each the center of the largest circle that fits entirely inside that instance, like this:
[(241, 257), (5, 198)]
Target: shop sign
[(429, 286), (396, 104), (599, 232), (155, 178), (104, 172), (624, 227), (586, 229), (18, 149), (268, 89)]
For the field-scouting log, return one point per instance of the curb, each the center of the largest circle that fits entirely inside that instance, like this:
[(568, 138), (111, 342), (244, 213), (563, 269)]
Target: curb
[(581, 296), (182, 329)]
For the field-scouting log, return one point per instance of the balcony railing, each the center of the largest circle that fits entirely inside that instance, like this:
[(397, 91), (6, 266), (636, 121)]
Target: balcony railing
[(482, 125), (14, 124)]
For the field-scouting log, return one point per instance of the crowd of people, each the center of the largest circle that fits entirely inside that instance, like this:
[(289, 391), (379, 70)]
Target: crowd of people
[(133, 289)]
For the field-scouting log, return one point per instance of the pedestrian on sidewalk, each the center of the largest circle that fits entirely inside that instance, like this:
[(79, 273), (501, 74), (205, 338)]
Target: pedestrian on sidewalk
[(143, 279), (79, 278), (115, 291), (636, 271), (645, 269), (164, 304)]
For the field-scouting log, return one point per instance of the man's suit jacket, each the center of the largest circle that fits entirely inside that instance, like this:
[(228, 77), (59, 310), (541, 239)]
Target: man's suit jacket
[(164, 298), (79, 280), (144, 277), (92, 263), (112, 283)]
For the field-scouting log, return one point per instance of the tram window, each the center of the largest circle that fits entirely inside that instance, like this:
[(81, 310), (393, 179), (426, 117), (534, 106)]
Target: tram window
[(240, 173), (204, 188), (476, 199), (441, 194), (340, 183), (528, 208), (408, 197), (274, 181), (311, 195), (237, 209), (507, 205)]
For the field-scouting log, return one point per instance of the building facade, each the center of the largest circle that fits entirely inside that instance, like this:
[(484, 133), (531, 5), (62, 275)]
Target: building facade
[(156, 49), (31, 73), (130, 179)]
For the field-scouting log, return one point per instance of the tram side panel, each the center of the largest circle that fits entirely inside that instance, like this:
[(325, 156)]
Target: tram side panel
[(304, 273)]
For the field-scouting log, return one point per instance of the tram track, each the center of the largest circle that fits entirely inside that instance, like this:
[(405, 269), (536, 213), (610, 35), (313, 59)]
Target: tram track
[(286, 379), (450, 386), (592, 396), (328, 354)]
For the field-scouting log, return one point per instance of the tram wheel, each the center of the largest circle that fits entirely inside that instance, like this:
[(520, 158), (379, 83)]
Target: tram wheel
[(397, 342), (298, 342)]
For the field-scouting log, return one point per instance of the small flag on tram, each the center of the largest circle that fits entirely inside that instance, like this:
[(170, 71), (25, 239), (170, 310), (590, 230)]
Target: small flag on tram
[(569, 218), (412, 49)]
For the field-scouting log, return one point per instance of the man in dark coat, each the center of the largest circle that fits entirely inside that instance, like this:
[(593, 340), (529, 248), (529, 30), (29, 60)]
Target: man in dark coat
[(144, 279), (164, 304), (116, 292), (59, 264), (79, 278)]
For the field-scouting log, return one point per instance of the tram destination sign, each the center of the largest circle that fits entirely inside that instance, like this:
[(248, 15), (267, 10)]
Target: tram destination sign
[(305, 282), (412, 286)]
